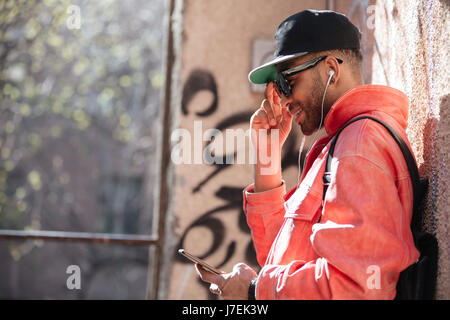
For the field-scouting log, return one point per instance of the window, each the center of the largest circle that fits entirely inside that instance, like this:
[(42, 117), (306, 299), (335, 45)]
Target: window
[(80, 87)]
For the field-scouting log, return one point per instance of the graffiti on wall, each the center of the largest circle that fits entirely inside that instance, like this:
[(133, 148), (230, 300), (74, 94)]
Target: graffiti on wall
[(214, 219)]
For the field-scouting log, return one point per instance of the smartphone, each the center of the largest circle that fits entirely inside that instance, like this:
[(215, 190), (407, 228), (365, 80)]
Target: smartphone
[(194, 259)]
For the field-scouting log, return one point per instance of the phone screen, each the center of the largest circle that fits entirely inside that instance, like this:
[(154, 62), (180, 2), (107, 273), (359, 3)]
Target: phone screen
[(194, 259)]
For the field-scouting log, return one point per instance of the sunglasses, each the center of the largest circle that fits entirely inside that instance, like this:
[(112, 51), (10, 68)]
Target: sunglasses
[(282, 81)]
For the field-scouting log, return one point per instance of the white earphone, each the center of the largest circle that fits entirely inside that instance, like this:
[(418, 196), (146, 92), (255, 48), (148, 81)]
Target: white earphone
[(331, 73)]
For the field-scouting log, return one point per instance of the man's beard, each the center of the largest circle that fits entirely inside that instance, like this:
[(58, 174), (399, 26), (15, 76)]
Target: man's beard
[(314, 106)]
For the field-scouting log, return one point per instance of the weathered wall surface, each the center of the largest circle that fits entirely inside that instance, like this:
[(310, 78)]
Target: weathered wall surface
[(216, 58), (411, 53), (404, 46)]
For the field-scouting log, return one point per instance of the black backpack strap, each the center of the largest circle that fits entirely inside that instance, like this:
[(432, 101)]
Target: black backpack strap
[(418, 186), (418, 281)]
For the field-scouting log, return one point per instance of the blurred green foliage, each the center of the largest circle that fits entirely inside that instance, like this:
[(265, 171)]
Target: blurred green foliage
[(101, 80)]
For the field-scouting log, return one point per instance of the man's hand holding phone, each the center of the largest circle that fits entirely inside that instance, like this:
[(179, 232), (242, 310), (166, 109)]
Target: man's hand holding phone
[(230, 286), (233, 285)]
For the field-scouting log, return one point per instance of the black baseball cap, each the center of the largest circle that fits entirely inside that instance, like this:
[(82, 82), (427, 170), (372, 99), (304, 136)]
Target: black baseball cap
[(304, 32)]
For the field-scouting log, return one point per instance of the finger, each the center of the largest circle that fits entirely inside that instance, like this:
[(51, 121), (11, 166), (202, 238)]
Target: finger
[(255, 118), (214, 288), (274, 100), (277, 102), (269, 91), (270, 115), (263, 119), (207, 276)]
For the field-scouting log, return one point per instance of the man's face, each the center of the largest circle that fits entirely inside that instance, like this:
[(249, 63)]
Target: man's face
[(305, 101)]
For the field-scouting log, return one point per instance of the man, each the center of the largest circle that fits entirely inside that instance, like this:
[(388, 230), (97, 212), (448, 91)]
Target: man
[(355, 243)]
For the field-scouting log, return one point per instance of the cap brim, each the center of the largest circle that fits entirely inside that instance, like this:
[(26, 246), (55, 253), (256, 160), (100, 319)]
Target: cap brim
[(268, 71)]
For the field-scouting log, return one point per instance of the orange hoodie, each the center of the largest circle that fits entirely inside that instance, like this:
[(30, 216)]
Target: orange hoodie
[(363, 240)]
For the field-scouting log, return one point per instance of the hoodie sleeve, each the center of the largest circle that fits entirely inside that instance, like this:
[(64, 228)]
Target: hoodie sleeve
[(264, 212), (363, 241)]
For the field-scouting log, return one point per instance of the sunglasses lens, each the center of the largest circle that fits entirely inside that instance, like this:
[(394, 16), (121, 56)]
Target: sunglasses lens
[(282, 86), (278, 87), (287, 90)]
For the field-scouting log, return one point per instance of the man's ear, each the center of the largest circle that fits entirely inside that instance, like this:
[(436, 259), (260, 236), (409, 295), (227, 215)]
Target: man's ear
[(333, 68)]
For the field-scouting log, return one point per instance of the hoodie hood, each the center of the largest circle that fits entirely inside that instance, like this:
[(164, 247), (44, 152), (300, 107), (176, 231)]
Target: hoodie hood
[(365, 99)]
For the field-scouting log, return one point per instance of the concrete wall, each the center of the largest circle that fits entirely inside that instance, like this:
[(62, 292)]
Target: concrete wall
[(216, 57), (411, 54), (216, 54)]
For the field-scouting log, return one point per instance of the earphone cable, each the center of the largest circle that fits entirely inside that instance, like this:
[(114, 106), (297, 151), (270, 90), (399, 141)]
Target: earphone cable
[(300, 169)]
